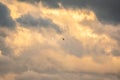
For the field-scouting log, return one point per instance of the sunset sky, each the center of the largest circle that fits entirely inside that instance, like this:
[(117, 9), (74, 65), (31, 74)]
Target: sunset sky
[(59, 39)]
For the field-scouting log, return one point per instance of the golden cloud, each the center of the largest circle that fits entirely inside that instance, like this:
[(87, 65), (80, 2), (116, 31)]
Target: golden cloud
[(45, 44)]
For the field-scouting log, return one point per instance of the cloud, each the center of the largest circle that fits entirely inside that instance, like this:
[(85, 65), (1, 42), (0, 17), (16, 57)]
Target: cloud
[(5, 18), (106, 11), (81, 25), (10, 76), (6, 50), (33, 52), (30, 21), (31, 1), (35, 49), (10, 65), (5, 64), (68, 44), (64, 76)]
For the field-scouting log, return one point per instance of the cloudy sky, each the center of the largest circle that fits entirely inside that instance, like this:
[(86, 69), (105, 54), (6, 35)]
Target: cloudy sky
[(59, 40)]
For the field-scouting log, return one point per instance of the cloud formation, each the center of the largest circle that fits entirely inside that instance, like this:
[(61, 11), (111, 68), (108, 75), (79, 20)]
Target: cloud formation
[(5, 18), (30, 21), (35, 49), (106, 11)]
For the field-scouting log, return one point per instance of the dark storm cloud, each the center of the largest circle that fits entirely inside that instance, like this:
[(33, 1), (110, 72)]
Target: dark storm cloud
[(5, 18), (107, 11), (30, 21)]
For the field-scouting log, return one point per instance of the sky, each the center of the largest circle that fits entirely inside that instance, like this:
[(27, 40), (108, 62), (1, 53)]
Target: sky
[(59, 40)]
